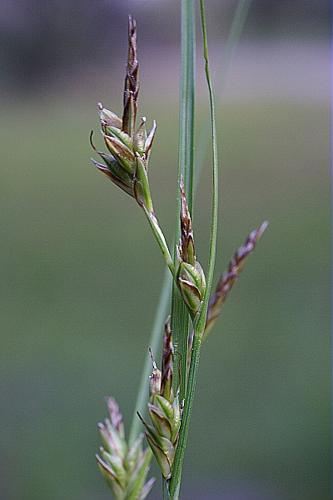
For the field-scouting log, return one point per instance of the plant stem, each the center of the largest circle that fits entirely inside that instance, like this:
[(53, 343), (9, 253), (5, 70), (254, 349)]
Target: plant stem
[(199, 325), (179, 315), (215, 187), (165, 493), (181, 447), (159, 236), (237, 25)]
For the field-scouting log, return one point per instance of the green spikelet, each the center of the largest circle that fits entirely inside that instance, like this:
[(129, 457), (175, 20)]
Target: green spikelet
[(190, 277), (124, 468)]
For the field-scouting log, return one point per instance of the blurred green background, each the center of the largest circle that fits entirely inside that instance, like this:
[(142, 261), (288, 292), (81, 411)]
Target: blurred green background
[(81, 273)]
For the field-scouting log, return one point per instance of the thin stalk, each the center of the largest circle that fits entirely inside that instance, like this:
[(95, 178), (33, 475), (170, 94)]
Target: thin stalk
[(199, 324), (180, 320), (159, 236), (237, 26)]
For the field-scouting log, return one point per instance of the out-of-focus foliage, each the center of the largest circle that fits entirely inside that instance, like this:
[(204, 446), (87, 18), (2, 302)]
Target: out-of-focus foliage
[(38, 38), (73, 330)]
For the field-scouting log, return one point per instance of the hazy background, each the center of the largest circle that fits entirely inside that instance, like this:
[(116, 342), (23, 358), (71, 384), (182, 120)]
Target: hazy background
[(80, 273)]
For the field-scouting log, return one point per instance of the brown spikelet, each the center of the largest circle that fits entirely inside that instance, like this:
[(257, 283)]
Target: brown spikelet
[(131, 89), (186, 244), (167, 361), (228, 279)]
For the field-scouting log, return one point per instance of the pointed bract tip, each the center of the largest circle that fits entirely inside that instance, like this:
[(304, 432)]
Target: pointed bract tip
[(140, 417), (153, 362), (91, 140), (131, 22), (181, 185)]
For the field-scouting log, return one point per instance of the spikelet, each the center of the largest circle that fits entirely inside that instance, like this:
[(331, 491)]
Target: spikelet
[(228, 279), (129, 148), (164, 409), (191, 278), (124, 468)]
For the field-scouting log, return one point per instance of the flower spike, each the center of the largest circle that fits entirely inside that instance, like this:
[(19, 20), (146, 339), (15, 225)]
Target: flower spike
[(191, 278), (124, 468), (167, 362), (131, 90), (164, 409), (129, 149)]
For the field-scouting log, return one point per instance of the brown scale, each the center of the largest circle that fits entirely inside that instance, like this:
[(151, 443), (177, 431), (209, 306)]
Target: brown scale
[(186, 246), (167, 361), (131, 89)]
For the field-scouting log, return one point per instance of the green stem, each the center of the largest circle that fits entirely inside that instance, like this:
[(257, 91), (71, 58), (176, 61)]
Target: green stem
[(215, 186), (234, 35), (180, 320), (181, 446), (159, 236), (199, 325), (165, 493)]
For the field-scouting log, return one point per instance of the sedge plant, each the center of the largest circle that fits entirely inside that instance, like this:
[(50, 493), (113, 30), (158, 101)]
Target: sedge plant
[(165, 399)]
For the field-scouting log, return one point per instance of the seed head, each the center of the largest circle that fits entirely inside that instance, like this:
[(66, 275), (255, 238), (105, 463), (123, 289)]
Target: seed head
[(164, 410), (228, 279), (131, 89), (124, 467), (126, 162), (186, 245), (190, 278), (167, 362)]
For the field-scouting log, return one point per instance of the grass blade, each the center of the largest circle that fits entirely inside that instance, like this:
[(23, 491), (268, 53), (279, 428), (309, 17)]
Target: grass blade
[(180, 320)]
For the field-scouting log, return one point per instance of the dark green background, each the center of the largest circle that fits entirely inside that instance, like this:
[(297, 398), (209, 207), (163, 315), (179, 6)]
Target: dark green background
[(80, 278)]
